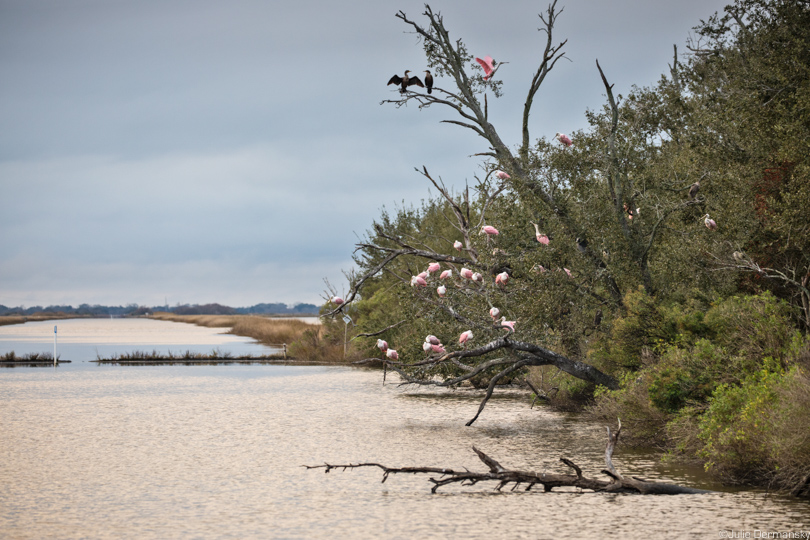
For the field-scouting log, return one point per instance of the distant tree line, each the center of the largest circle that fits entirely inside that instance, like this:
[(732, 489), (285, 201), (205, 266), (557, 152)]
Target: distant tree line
[(88, 310)]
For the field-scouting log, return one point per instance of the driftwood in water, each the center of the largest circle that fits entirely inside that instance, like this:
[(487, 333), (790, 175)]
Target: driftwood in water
[(498, 473)]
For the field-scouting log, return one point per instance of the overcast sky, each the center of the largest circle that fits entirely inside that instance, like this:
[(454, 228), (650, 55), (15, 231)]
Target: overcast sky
[(202, 151)]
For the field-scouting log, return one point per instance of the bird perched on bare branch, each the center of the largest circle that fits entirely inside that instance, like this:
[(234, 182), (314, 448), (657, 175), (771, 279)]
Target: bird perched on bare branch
[(405, 81), (429, 81)]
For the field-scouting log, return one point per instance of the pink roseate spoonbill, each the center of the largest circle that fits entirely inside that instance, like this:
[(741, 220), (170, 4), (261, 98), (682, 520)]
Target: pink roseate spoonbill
[(502, 278), (438, 348), (433, 267), (426, 346), (502, 175), (465, 337), (693, 190), (392, 354), (494, 312), (542, 238), (423, 275), (433, 340), (477, 277), (508, 324), (405, 81), (565, 139), (441, 290), (429, 81), (416, 280), (567, 271), (382, 345), (446, 274), (710, 223), (337, 300), (466, 273), (458, 245), (489, 66), (489, 230)]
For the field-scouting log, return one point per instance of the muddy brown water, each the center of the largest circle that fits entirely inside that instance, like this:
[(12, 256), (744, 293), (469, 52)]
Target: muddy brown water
[(96, 451)]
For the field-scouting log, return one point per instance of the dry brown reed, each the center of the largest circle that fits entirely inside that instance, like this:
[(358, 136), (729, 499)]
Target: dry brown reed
[(265, 330)]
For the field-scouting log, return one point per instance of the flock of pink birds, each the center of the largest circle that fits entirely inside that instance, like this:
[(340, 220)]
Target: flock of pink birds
[(432, 344)]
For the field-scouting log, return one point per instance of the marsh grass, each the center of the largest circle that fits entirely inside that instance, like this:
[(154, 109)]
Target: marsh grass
[(155, 356), (42, 316), (25, 358), (271, 332)]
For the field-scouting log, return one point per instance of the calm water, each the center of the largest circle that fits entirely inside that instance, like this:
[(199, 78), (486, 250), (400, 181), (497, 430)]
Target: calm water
[(91, 451)]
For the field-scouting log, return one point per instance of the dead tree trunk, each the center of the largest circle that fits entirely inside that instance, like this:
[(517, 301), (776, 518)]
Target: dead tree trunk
[(503, 476)]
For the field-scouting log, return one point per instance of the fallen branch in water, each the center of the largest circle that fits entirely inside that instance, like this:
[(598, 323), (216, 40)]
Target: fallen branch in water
[(498, 473)]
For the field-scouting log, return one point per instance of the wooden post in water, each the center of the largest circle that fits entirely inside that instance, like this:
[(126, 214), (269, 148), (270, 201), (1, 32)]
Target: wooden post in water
[(285, 351), (54, 345)]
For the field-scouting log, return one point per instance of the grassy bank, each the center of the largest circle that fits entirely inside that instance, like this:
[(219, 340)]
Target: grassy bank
[(45, 316), (305, 341)]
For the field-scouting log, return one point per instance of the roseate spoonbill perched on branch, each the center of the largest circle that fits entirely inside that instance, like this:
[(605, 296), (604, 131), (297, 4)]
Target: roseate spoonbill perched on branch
[(417, 280), (446, 274), (433, 267), (502, 278), (465, 337), (458, 245), (500, 175), (710, 223), (489, 66), (693, 190), (405, 81), (382, 345), (337, 300), (567, 271), (438, 348), (542, 238), (494, 312), (489, 230), (429, 81), (433, 340), (426, 346), (477, 277), (466, 273), (392, 354), (565, 139), (508, 324), (441, 290)]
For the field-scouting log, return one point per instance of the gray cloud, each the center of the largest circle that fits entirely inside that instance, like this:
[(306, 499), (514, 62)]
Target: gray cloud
[(230, 152)]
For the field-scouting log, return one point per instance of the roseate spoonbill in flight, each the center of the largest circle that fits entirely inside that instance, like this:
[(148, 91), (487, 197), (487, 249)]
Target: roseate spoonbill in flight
[(433, 340), (433, 267), (337, 300), (542, 238), (392, 354), (693, 190), (382, 345), (405, 81), (446, 274), (710, 223), (441, 290), (565, 139), (502, 278), (508, 324), (458, 245), (429, 81), (494, 312), (489, 230), (466, 273), (502, 175), (489, 66), (465, 337)]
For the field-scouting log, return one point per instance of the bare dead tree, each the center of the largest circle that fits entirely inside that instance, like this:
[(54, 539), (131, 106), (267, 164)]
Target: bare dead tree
[(548, 481)]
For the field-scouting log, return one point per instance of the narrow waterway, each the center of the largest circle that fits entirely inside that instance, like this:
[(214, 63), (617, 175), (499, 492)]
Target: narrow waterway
[(97, 451)]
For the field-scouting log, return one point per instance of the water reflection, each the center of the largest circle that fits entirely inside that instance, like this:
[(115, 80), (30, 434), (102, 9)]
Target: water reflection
[(216, 451)]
